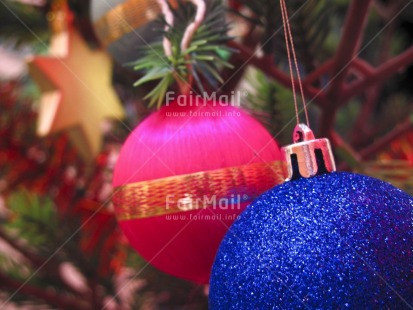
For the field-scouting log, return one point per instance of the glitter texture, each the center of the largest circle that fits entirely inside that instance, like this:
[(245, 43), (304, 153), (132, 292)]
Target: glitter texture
[(339, 240)]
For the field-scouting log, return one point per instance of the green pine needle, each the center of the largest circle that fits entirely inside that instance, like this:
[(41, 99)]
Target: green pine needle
[(203, 59), (34, 217)]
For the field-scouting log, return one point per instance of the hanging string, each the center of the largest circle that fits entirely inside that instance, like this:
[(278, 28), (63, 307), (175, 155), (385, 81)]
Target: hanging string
[(289, 43)]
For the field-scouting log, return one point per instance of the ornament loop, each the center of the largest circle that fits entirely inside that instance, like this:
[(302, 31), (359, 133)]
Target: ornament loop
[(302, 133), (308, 156)]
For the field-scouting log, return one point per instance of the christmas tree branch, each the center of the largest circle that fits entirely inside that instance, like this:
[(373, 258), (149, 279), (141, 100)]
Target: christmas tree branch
[(322, 69), (231, 79), (51, 270), (389, 10), (265, 65), (384, 142), (373, 94), (49, 296), (380, 74), (33, 258), (362, 66), (95, 296), (359, 128), (349, 43), (198, 51), (350, 157)]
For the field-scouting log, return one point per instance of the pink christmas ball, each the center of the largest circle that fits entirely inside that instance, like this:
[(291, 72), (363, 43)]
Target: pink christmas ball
[(184, 175)]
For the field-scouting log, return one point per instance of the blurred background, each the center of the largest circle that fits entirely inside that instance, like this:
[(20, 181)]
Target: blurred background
[(60, 245)]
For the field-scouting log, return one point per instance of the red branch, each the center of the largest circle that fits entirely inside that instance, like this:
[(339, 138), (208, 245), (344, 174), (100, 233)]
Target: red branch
[(373, 93), (269, 69), (318, 71), (383, 142), (52, 298), (349, 43), (340, 143), (35, 260), (380, 74), (363, 67), (51, 269)]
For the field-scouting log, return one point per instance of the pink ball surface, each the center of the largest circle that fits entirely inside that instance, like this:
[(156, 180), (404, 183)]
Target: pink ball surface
[(179, 140)]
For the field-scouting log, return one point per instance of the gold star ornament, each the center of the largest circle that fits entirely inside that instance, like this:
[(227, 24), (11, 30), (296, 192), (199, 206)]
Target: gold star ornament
[(76, 93)]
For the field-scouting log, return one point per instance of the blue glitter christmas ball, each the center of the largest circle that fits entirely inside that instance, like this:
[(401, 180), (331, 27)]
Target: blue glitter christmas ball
[(339, 240)]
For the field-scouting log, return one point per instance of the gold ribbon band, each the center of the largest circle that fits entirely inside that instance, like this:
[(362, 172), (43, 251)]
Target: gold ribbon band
[(125, 18), (222, 188)]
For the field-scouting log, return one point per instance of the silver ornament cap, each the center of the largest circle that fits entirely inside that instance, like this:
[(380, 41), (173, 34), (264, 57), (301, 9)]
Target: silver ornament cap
[(308, 156)]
